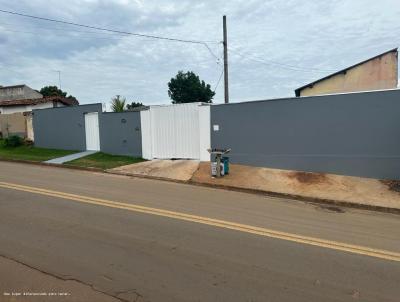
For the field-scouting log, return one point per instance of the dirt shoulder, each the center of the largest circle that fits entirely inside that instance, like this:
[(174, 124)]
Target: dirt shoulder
[(347, 190)]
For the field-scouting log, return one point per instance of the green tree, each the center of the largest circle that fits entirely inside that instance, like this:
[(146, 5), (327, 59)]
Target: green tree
[(48, 91), (133, 105), (118, 103), (188, 88)]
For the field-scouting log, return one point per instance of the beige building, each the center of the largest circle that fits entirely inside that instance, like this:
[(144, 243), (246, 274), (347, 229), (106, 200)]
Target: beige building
[(16, 124), (18, 92), (16, 105), (379, 72)]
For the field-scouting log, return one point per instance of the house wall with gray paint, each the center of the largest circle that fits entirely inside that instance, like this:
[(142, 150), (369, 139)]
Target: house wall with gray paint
[(120, 133), (62, 128), (351, 134)]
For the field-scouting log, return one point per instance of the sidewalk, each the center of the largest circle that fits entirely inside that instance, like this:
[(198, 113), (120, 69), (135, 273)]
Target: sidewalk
[(338, 189), (329, 187), (64, 159), (179, 170)]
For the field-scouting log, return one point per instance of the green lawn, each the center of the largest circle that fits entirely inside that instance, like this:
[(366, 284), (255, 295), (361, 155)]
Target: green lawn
[(104, 161), (30, 153)]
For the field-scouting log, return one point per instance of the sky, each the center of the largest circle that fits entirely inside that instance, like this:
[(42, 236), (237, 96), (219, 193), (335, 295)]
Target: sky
[(274, 46)]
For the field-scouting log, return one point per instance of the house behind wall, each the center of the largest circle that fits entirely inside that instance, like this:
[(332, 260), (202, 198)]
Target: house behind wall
[(379, 72), (18, 92), (353, 134), (64, 128), (171, 131)]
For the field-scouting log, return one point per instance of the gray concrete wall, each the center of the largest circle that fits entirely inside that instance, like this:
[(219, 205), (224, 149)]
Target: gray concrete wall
[(120, 133), (351, 134), (62, 128)]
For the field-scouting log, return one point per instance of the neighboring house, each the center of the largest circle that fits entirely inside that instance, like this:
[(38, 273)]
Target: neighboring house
[(24, 105), (18, 92), (16, 115), (16, 104), (379, 72)]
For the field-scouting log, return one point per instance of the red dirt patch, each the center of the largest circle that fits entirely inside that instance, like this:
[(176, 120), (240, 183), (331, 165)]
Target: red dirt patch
[(308, 177)]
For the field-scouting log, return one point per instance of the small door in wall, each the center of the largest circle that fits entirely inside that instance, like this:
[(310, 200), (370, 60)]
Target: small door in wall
[(92, 131)]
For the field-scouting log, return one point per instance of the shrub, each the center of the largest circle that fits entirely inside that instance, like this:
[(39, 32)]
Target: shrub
[(13, 141)]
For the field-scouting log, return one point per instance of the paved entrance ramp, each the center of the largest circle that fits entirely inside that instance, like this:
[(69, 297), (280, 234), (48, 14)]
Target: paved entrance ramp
[(64, 159), (172, 169)]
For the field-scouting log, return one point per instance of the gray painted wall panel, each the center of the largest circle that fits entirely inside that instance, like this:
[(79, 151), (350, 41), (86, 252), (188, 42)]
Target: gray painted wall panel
[(118, 137), (62, 128), (351, 134)]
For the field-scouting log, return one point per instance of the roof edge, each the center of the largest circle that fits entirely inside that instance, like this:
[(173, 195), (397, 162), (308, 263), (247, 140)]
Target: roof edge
[(297, 91)]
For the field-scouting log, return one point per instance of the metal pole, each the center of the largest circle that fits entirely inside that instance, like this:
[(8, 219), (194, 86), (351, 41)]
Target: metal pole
[(226, 85), (59, 78), (218, 159)]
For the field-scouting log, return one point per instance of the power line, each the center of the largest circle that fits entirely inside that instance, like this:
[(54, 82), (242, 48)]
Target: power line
[(39, 33), (218, 59), (219, 79), (283, 65), (104, 29), (204, 43), (89, 32), (66, 30)]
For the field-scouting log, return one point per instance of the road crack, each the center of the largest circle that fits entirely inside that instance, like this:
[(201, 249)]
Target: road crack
[(130, 291), (69, 278)]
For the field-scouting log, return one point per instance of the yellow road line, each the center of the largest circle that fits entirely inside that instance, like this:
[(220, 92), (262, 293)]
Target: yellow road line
[(355, 249)]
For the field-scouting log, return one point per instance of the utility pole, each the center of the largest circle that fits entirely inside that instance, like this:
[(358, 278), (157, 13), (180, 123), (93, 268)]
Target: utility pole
[(226, 85)]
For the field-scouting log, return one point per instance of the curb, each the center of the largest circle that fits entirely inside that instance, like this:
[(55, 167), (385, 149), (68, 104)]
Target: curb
[(39, 163), (311, 200)]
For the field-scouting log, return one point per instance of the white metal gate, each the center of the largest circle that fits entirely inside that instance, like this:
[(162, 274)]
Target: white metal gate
[(92, 131), (174, 131)]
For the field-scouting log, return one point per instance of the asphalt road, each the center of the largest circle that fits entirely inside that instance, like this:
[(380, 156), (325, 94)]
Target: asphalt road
[(118, 238)]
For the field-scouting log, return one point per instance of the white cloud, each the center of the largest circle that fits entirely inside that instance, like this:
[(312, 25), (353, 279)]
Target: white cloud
[(266, 37)]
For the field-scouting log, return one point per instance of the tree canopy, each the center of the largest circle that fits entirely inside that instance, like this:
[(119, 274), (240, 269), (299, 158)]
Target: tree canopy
[(118, 103), (133, 105), (188, 88), (54, 91)]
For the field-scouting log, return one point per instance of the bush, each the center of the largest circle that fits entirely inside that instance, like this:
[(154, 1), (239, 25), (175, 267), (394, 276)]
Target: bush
[(13, 141)]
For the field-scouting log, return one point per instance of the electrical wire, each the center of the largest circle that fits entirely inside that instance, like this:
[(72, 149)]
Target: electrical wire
[(102, 28), (219, 80), (204, 43), (68, 30), (283, 65), (79, 37)]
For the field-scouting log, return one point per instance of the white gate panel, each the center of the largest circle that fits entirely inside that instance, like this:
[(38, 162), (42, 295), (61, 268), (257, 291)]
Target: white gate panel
[(187, 131), (163, 132), (204, 132), (173, 130), (92, 131), (145, 125)]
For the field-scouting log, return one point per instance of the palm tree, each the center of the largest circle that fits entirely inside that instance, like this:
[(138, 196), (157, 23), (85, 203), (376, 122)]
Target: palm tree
[(118, 103)]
